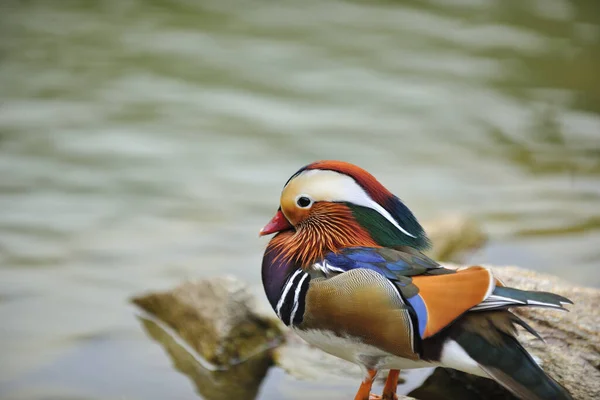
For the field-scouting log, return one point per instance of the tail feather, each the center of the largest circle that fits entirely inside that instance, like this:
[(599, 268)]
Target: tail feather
[(488, 338), (504, 297), (527, 327), (518, 372)]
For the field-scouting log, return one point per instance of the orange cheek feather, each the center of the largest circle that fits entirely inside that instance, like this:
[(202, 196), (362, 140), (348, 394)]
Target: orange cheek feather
[(323, 228), (294, 214)]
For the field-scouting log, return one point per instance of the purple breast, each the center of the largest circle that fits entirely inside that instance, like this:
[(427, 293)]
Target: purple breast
[(275, 273)]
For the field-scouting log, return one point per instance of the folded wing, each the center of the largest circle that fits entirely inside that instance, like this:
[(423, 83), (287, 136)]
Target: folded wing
[(435, 296)]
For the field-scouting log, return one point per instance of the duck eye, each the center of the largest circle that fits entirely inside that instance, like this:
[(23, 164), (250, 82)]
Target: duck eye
[(303, 201)]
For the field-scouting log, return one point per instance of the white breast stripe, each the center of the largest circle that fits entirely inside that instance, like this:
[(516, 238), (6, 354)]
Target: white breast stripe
[(285, 292), (296, 296)]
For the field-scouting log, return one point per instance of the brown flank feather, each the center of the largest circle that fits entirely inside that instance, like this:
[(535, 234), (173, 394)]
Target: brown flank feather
[(362, 304)]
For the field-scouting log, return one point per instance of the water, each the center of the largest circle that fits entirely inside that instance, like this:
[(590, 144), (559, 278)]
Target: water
[(145, 142)]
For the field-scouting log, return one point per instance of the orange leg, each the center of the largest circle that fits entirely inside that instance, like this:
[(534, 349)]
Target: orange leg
[(389, 390), (364, 390)]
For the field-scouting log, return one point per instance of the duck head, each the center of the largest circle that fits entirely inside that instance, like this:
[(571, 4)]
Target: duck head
[(329, 205)]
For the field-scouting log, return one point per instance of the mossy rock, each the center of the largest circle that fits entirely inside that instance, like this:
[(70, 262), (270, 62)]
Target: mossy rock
[(216, 317)]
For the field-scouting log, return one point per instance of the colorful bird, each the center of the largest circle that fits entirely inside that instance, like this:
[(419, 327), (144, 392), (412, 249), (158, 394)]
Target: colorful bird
[(345, 271)]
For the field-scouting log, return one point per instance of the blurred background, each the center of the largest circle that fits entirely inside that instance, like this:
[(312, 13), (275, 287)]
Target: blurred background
[(143, 143)]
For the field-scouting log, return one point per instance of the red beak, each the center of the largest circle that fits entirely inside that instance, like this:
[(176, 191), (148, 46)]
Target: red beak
[(277, 224)]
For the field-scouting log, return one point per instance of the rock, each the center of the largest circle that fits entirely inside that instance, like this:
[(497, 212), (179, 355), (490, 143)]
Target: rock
[(215, 317), (571, 354), (453, 236), (213, 334), (240, 381)]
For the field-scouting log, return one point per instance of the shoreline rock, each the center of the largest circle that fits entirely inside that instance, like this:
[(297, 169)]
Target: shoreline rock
[(211, 331), (216, 317), (241, 381), (571, 352)]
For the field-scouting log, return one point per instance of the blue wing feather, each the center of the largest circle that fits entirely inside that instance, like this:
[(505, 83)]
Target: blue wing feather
[(399, 266), (365, 256), (390, 263), (418, 306), (367, 265)]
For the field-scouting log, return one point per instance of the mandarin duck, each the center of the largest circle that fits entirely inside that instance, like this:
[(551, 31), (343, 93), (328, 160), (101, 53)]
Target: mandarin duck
[(345, 271)]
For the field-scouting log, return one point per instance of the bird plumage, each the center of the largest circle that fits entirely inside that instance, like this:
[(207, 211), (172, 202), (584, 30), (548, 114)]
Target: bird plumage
[(345, 271), (330, 227)]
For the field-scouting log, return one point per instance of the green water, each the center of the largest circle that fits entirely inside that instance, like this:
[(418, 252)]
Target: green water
[(143, 143)]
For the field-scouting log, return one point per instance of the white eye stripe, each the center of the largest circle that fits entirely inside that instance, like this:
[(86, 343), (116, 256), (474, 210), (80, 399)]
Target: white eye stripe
[(375, 206), (333, 186)]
